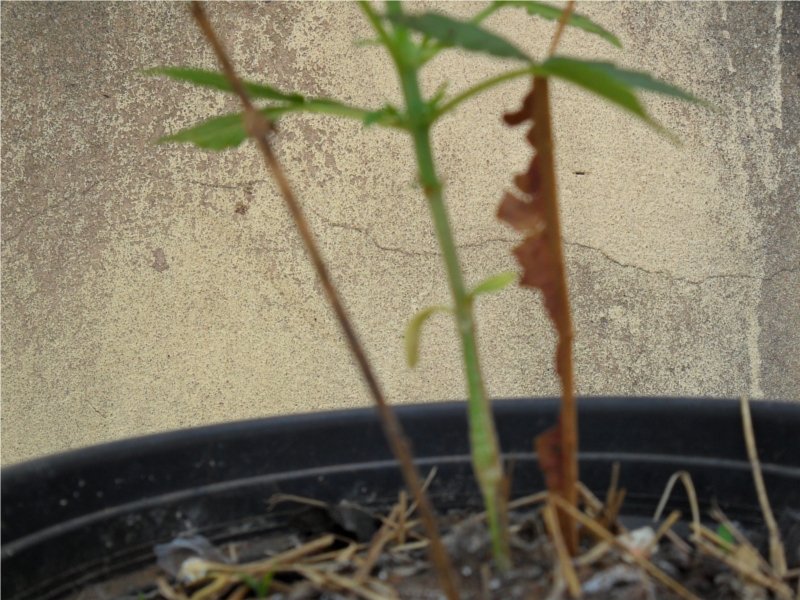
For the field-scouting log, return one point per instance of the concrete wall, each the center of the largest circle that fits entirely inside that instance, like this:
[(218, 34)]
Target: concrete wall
[(135, 299)]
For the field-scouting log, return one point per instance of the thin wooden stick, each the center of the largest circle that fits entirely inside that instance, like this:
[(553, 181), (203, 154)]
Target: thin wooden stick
[(612, 487), (665, 526), (562, 24), (564, 559), (686, 479), (716, 513), (777, 556), (379, 540), (258, 128), (607, 536), (777, 586)]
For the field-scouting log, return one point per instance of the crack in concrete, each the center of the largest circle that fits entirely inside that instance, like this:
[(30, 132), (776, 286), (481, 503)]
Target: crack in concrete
[(218, 186), (94, 409), (686, 280), (366, 231)]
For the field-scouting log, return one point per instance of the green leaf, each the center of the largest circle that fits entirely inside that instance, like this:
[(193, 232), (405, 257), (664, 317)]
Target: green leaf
[(251, 581), (643, 81), (588, 76), (218, 133), (413, 330), (263, 586), (612, 83), (552, 13), (726, 535), (260, 588), (220, 82), (228, 131), (493, 284), (450, 32)]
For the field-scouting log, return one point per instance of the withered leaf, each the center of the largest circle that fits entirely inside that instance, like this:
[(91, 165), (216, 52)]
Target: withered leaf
[(548, 451), (522, 216), (523, 114), (540, 256), (537, 261)]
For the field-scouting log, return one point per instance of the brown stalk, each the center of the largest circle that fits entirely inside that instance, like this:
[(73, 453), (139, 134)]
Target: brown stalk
[(542, 140), (568, 420), (258, 128), (564, 560), (562, 24)]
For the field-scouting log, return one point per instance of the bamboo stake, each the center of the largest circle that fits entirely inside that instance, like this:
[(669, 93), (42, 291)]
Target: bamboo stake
[(258, 128)]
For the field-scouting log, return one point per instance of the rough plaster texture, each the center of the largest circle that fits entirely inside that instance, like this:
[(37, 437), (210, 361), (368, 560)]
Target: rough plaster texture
[(135, 299)]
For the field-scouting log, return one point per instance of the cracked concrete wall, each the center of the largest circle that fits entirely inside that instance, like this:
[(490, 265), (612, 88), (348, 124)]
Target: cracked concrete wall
[(137, 297)]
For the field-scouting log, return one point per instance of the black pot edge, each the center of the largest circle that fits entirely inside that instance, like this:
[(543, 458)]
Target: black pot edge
[(631, 405), (440, 431)]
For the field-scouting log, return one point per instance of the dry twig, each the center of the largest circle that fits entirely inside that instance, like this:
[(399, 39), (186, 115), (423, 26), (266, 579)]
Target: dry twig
[(686, 479), (564, 559), (258, 128), (777, 556), (607, 536)]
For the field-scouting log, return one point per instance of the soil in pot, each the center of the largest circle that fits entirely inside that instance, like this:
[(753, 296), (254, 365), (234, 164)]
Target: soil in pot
[(347, 551)]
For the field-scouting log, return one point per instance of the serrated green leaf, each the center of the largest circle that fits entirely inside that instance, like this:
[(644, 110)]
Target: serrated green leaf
[(413, 330), (493, 284), (220, 82), (605, 79), (553, 13), (597, 80), (643, 81), (449, 32)]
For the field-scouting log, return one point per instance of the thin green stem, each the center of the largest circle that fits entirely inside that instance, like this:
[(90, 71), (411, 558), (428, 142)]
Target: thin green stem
[(375, 20), (482, 86), (484, 13), (321, 106), (483, 436)]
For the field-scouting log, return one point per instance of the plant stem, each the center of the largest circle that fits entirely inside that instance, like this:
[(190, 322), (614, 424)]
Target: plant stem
[(258, 128), (483, 436), (568, 420), (484, 85), (323, 107)]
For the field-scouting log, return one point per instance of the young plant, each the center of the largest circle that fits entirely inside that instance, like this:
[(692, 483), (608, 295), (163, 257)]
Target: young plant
[(412, 41)]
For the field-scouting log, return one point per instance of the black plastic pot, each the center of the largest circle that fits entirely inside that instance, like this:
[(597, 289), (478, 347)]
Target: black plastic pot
[(75, 519)]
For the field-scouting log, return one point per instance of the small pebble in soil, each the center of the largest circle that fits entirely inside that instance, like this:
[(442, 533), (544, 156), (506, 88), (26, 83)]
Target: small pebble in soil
[(466, 571)]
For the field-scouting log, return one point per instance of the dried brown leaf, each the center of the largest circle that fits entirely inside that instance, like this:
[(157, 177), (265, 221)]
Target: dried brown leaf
[(548, 451), (523, 114)]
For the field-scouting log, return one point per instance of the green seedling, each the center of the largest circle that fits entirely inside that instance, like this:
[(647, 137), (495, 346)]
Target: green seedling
[(412, 40), (261, 586)]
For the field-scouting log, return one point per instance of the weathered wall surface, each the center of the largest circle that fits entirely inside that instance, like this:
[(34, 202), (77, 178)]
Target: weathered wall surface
[(136, 300)]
